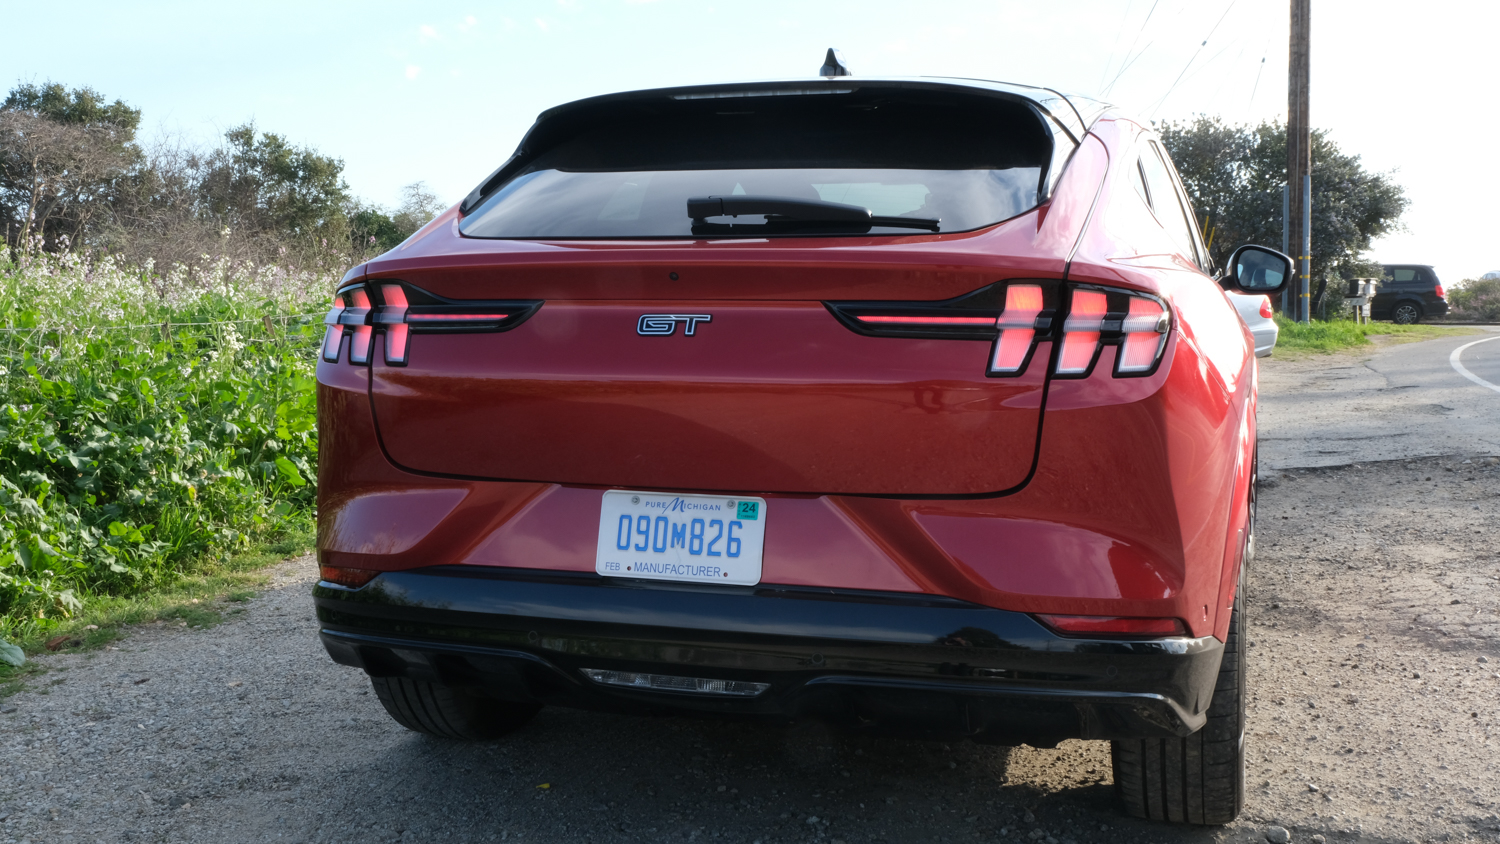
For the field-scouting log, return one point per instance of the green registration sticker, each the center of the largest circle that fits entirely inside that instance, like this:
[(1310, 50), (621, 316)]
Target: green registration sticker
[(748, 511)]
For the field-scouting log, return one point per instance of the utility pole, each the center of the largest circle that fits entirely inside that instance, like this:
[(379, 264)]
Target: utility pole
[(1299, 152)]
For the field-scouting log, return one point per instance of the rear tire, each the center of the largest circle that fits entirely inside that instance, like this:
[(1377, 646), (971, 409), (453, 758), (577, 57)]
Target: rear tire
[(1406, 313), (448, 711), (1199, 779)]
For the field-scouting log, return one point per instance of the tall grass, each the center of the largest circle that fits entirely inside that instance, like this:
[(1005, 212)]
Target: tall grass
[(149, 423)]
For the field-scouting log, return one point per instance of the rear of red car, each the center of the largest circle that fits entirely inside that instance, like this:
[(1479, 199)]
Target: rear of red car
[(946, 468)]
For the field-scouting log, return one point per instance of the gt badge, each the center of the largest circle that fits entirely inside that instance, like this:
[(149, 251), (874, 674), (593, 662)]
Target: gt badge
[(660, 325)]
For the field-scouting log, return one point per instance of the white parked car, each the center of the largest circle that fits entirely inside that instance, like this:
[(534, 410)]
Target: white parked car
[(1255, 310)]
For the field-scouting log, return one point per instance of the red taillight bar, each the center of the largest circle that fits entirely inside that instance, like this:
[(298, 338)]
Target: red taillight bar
[(393, 317), (1087, 626), (1017, 324), (450, 318), (1081, 331), (355, 315), (926, 320), (352, 578)]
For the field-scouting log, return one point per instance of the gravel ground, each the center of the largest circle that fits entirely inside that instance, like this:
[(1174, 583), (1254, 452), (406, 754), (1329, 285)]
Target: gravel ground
[(1375, 679)]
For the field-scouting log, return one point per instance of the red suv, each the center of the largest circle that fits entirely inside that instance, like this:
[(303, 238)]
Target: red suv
[(912, 405)]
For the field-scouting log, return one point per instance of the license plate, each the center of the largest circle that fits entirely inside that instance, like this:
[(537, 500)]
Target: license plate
[(692, 538)]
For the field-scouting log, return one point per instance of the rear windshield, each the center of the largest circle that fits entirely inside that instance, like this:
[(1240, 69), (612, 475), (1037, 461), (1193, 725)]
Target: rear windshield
[(945, 162)]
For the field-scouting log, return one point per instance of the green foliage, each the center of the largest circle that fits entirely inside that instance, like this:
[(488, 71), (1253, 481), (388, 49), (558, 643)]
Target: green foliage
[(79, 107), (1338, 335), (146, 426), (375, 230), (1476, 299), (1234, 175), (63, 155), (277, 186)]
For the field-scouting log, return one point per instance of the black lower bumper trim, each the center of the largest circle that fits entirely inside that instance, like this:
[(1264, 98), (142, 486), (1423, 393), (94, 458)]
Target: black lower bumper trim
[(908, 664)]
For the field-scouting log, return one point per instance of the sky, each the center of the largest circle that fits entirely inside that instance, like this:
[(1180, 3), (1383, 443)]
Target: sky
[(441, 92)]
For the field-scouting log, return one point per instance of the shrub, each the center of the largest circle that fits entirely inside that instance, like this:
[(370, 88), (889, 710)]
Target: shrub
[(147, 422), (1476, 299)]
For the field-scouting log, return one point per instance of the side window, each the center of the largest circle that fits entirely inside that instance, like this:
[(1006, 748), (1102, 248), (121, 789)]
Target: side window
[(1205, 261), (1405, 276), (1164, 202)]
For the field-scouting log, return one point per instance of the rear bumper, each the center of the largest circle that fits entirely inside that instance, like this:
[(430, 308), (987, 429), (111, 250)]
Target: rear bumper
[(894, 662), (1265, 339)]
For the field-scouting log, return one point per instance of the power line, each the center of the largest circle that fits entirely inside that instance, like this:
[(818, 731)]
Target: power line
[(1129, 61), (1196, 52), (1264, 50), (1116, 45), (1224, 80)]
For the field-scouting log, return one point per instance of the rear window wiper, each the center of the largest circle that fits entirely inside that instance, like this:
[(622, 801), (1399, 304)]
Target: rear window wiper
[(780, 211)]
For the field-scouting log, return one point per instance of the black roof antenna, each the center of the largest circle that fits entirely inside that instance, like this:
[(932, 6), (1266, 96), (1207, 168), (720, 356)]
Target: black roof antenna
[(833, 64)]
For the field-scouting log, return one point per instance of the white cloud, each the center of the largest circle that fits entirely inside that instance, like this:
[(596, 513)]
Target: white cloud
[(412, 71), (541, 24), (428, 33), (469, 23)]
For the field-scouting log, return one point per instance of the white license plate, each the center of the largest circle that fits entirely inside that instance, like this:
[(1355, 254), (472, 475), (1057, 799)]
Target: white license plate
[(692, 538)]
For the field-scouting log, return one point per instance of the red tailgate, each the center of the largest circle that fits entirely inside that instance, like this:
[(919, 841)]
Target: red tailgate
[(770, 396)]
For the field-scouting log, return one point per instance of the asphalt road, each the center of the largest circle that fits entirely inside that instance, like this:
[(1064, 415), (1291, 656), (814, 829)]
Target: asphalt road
[(1400, 401), (1375, 688)]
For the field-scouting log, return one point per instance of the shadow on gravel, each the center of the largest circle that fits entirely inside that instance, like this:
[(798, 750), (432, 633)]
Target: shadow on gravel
[(572, 776)]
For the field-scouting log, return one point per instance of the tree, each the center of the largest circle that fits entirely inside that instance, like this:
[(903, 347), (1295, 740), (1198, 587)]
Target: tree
[(271, 185), (1234, 175), (83, 107), (373, 228), (62, 154)]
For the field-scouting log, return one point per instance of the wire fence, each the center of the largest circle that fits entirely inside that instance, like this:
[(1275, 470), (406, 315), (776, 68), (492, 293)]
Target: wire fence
[(52, 351)]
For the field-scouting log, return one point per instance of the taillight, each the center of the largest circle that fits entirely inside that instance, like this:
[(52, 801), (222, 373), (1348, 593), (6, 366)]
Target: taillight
[(1016, 315), (393, 317), (1440, 293), (1081, 332), (334, 334), (1144, 330), (351, 309), (399, 310), (352, 578), (1018, 326), (1265, 307), (1090, 626), (1013, 315), (1103, 316), (357, 313)]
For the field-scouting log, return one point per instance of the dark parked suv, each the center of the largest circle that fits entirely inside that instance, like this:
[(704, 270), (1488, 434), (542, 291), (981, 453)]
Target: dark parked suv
[(1407, 293)]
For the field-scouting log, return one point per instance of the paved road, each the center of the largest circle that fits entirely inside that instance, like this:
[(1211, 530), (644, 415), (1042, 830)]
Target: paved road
[(1401, 401)]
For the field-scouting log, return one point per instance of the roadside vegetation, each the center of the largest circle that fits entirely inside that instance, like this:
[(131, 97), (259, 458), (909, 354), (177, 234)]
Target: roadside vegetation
[(161, 308), (1475, 299), (150, 427), (1338, 335)]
